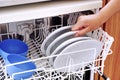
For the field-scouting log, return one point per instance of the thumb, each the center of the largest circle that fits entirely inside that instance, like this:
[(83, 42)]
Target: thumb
[(83, 31)]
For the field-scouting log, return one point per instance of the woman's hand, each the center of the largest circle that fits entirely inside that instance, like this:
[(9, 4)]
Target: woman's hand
[(86, 24), (91, 22)]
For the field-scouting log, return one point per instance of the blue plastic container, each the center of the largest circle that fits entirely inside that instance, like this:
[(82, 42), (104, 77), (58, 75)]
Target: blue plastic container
[(13, 46), (19, 67)]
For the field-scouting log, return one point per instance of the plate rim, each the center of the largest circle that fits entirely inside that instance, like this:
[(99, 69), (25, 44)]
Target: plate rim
[(66, 43), (80, 42), (50, 35)]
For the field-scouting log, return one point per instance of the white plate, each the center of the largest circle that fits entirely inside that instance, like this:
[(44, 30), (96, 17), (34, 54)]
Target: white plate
[(65, 44), (53, 36), (76, 56), (58, 41)]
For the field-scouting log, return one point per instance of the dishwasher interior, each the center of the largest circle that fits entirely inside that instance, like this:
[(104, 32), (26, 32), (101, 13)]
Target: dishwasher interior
[(33, 32)]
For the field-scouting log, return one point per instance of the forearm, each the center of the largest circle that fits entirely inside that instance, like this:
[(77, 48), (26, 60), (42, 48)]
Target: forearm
[(111, 8)]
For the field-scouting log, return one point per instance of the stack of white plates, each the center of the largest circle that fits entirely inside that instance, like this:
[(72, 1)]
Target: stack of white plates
[(61, 42)]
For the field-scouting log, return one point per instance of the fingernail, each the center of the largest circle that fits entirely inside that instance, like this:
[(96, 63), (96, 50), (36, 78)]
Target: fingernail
[(76, 35), (72, 29)]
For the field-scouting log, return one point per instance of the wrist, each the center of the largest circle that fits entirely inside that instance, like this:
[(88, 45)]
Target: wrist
[(101, 18)]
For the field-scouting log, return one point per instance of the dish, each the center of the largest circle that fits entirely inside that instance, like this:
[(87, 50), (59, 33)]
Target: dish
[(53, 36), (58, 41), (16, 68), (63, 60), (13, 46), (64, 45)]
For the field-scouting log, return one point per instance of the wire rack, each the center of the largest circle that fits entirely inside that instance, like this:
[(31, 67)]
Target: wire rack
[(37, 32)]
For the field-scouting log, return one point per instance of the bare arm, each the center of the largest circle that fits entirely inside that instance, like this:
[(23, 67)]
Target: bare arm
[(111, 8), (92, 22)]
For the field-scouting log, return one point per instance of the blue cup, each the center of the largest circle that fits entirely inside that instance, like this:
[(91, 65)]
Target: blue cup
[(12, 69), (13, 46)]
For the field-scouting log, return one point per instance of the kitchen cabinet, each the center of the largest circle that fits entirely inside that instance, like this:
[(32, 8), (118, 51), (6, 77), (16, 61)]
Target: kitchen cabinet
[(112, 64), (112, 68)]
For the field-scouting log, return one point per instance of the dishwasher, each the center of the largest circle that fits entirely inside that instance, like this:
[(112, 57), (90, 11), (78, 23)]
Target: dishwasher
[(33, 22)]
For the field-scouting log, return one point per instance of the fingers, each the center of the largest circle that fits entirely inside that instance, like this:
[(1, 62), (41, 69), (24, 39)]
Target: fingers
[(76, 27), (83, 31), (79, 25), (86, 24)]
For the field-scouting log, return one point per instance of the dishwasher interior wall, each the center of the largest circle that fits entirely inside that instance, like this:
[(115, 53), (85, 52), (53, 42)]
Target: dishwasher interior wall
[(33, 32)]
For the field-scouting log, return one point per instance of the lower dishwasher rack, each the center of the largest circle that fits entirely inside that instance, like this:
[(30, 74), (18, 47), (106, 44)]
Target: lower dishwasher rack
[(44, 70)]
